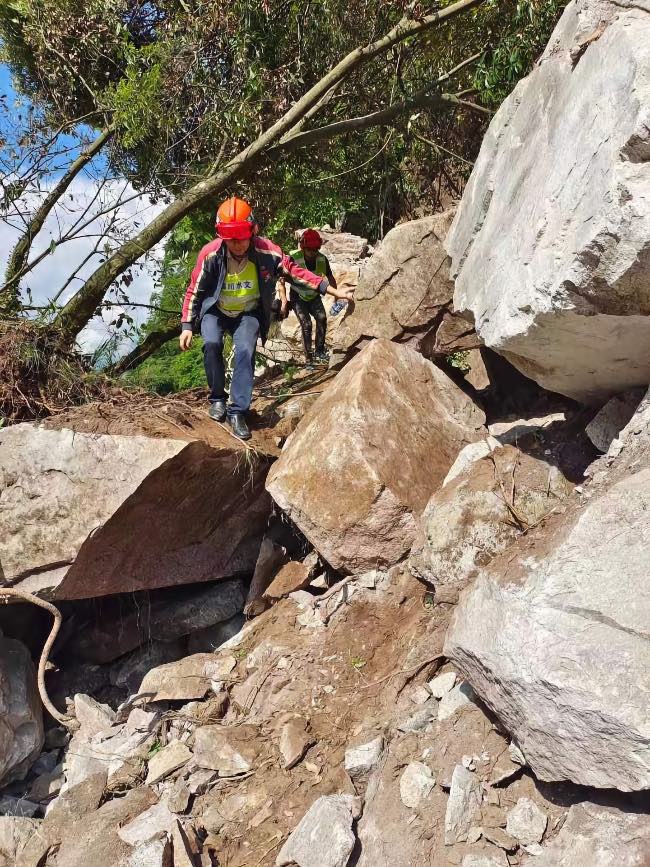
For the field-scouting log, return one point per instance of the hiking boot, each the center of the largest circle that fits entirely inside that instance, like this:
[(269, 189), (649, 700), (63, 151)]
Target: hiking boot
[(322, 357), (239, 427), (217, 410)]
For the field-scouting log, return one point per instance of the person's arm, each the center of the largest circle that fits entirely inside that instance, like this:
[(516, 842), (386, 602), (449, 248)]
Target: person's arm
[(201, 278), (282, 292), (298, 276)]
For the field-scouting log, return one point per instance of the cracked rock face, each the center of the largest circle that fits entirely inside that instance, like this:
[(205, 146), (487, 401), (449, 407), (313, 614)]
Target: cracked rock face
[(405, 294), (554, 637), (351, 475), (565, 293), (86, 515), (21, 718)]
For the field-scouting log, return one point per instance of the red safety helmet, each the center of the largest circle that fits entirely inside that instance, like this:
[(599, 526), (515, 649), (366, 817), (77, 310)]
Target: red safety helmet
[(311, 239), (235, 220)]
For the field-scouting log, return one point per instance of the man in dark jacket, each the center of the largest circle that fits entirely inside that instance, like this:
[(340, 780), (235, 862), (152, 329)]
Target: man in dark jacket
[(231, 291)]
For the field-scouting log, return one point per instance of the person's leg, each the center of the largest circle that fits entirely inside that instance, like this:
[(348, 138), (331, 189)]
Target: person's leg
[(317, 310), (301, 309), (212, 333), (245, 336)]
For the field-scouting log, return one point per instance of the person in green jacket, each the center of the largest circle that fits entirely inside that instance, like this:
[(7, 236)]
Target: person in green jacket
[(307, 304)]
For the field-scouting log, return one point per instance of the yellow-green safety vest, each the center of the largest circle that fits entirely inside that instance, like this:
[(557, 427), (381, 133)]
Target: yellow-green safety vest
[(240, 292), (319, 268)]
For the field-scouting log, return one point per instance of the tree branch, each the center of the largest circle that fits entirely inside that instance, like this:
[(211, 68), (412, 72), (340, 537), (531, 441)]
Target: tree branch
[(18, 266)]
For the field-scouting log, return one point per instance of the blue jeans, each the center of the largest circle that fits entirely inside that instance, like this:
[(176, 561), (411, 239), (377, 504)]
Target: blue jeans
[(244, 329)]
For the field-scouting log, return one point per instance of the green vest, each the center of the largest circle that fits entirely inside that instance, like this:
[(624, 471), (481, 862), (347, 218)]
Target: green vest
[(319, 268), (240, 293)]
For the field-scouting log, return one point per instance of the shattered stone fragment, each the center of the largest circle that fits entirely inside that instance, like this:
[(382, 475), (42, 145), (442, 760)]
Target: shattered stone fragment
[(526, 822), (362, 759), (169, 759), (212, 751), (463, 804), (442, 684), (294, 743), (416, 784), (454, 700), (154, 823), (324, 836)]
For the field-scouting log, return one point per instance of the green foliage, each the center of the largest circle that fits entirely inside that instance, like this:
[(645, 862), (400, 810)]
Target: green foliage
[(169, 370), (513, 49), (460, 360)]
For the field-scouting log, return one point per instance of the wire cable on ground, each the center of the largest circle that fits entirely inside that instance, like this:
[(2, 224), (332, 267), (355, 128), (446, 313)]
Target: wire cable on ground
[(5, 592)]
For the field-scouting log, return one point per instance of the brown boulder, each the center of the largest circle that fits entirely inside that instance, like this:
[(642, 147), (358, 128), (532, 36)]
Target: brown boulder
[(481, 511), (92, 514), (292, 576), (352, 476), (405, 294)]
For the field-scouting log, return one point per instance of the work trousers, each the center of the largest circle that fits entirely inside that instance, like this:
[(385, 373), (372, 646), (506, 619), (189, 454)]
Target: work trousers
[(245, 329), (304, 310)]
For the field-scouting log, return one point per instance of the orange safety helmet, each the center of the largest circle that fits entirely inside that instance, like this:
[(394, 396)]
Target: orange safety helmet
[(235, 220), (311, 239)]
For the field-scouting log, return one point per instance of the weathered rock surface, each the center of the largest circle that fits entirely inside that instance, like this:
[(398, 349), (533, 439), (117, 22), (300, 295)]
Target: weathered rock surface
[(463, 804), (294, 743), (96, 834), (108, 514), (292, 576), (155, 853), (164, 619), (324, 836), (598, 837), (92, 716), (15, 831), (189, 678), (213, 751), (170, 758), (494, 859), (564, 293), (481, 511), (415, 784), (530, 633), (21, 718), (610, 420), (455, 699), (362, 759), (153, 823), (442, 684), (56, 487), (526, 822), (405, 294), (351, 475)]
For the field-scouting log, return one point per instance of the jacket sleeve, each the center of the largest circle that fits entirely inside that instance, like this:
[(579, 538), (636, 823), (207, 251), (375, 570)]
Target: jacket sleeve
[(202, 278), (300, 277)]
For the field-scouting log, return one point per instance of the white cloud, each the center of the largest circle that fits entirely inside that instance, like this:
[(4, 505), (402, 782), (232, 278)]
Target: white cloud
[(47, 278)]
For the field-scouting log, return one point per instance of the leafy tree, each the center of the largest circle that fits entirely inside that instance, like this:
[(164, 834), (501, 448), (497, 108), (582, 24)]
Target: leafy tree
[(206, 99)]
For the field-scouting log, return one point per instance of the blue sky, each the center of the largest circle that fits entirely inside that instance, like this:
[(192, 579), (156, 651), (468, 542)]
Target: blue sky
[(54, 270)]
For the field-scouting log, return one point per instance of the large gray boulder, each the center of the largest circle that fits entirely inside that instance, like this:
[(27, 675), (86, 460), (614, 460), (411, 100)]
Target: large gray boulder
[(554, 637), (21, 717), (364, 461), (84, 515), (551, 244), (595, 836), (405, 294)]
